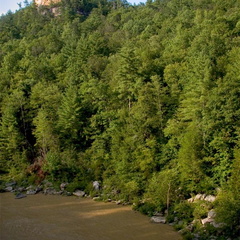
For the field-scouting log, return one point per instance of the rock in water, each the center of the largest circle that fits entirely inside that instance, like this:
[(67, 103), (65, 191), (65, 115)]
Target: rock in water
[(20, 195)]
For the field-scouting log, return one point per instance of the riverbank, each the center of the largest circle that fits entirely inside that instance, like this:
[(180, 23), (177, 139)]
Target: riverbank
[(50, 217)]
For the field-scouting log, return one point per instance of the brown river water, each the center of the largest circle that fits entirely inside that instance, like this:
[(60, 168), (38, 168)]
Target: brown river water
[(40, 217)]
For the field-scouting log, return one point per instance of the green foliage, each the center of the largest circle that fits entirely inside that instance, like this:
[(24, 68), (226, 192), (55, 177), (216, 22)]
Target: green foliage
[(144, 99), (76, 184), (184, 211), (146, 208), (162, 189), (228, 203), (201, 208), (69, 121)]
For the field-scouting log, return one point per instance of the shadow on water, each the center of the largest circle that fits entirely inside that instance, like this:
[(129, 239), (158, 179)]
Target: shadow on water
[(69, 218)]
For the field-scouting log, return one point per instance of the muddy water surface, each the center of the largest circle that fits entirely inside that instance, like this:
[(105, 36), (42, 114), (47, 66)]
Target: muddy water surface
[(41, 217)]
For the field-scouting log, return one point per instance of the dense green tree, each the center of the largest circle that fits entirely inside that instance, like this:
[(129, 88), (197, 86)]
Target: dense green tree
[(13, 142), (144, 98), (69, 120)]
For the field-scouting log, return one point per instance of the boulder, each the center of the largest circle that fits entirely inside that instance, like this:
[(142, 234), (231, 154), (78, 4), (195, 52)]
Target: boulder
[(158, 219), (118, 202), (9, 189), (211, 214), (191, 200), (217, 225), (10, 184), (96, 185), (210, 198), (20, 195), (63, 186), (96, 198), (206, 220), (199, 197), (79, 193), (50, 191), (21, 189), (47, 184), (38, 189), (31, 192)]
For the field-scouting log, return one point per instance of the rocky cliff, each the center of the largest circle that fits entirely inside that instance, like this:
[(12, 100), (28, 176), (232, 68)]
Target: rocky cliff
[(46, 2)]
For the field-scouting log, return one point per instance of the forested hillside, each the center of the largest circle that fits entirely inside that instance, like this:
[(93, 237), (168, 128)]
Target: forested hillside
[(144, 99)]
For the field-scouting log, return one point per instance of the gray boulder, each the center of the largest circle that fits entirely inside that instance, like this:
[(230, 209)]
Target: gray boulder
[(79, 193), (63, 186), (49, 190), (96, 185), (9, 189), (31, 192), (206, 220), (10, 184), (96, 198), (211, 214), (20, 195), (210, 198), (158, 219), (217, 225), (203, 197), (199, 197), (20, 189)]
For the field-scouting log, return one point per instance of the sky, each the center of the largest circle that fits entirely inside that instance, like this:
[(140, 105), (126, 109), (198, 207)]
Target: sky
[(12, 5)]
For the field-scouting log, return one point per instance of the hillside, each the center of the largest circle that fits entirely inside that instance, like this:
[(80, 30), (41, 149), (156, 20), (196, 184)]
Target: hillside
[(144, 99)]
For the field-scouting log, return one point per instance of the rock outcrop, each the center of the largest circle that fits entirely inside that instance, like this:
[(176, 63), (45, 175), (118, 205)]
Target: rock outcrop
[(53, 9), (46, 2)]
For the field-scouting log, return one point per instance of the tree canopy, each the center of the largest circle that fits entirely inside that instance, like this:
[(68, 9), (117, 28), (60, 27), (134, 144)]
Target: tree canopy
[(143, 98)]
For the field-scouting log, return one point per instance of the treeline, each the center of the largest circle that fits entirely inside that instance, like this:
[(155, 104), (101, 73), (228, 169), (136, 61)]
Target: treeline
[(144, 99)]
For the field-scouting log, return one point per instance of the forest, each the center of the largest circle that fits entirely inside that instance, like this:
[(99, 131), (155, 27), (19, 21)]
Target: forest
[(143, 98)]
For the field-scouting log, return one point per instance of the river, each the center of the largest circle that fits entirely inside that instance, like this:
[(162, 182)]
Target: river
[(41, 217)]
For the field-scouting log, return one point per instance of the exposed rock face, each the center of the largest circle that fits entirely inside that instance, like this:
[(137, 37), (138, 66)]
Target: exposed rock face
[(46, 2), (54, 10)]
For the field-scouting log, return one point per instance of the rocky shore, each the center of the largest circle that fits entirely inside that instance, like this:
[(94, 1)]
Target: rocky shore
[(48, 188)]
